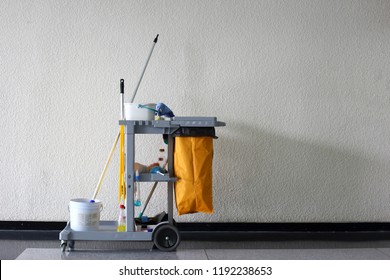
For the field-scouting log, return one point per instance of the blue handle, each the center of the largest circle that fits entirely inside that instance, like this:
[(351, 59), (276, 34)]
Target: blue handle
[(146, 107)]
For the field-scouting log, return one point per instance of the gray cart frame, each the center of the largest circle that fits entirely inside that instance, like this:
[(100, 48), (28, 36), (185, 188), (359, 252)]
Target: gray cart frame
[(108, 229)]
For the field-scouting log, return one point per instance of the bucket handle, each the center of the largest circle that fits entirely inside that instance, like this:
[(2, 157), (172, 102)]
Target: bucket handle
[(146, 107)]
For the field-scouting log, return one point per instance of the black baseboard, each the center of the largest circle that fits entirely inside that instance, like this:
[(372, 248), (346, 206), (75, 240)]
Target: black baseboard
[(32, 230)]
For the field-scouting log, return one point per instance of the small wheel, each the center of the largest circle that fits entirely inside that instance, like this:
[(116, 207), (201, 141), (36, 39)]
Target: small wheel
[(166, 237), (63, 246), (71, 245)]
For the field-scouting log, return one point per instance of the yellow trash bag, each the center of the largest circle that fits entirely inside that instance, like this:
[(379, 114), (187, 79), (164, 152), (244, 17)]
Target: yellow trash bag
[(193, 167)]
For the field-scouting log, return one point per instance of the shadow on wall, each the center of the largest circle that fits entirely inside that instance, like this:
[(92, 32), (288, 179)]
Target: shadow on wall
[(274, 178)]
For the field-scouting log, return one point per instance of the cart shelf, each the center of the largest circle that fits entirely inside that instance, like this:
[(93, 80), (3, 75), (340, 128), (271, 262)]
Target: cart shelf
[(107, 231), (155, 177)]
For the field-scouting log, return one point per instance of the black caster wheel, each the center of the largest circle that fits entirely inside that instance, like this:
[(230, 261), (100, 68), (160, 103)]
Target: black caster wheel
[(166, 237), (71, 245), (64, 244)]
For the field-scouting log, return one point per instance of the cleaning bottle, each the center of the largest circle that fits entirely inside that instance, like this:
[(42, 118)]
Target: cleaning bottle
[(161, 157), (137, 190), (121, 227)]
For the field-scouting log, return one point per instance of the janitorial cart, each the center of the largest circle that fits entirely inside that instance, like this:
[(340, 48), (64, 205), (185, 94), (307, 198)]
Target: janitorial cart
[(165, 234), (187, 175)]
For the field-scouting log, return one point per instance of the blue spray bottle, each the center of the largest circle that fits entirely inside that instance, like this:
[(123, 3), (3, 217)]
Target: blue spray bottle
[(137, 190)]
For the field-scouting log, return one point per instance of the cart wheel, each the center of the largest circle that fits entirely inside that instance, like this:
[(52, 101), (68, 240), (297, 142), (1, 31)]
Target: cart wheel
[(166, 237), (63, 245), (71, 245)]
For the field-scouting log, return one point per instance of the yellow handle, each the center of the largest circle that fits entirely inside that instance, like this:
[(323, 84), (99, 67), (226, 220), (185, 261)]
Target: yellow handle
[(105, 168), (121, 181)]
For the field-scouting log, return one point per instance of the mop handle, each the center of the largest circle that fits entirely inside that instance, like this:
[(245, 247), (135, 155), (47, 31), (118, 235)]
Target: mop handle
[(143, 72), (121, 145), (105, 168), (122, 86)]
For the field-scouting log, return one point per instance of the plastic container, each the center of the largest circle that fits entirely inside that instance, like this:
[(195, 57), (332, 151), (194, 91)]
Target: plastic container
[(121, 226), (140, 112), (150, 228), (84, 215), (137, 190)]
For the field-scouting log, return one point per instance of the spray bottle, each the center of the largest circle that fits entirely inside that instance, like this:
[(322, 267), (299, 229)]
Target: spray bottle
[(121, 227), (137, 190)]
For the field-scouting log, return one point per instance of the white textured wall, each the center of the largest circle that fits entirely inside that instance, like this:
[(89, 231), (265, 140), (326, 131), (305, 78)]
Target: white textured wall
[(304, 87)]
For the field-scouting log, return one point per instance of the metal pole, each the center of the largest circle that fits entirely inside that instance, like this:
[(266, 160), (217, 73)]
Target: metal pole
[(143, 72)]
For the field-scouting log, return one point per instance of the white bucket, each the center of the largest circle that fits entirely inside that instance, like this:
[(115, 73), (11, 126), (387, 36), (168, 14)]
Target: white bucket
[(139, 112), (84, 215)]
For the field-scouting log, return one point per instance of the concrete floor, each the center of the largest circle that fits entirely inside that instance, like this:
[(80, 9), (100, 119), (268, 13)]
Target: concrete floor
[(200, 250)]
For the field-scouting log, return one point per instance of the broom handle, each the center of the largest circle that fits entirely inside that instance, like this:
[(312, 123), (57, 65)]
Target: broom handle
[(143, 71), (105, 167)]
